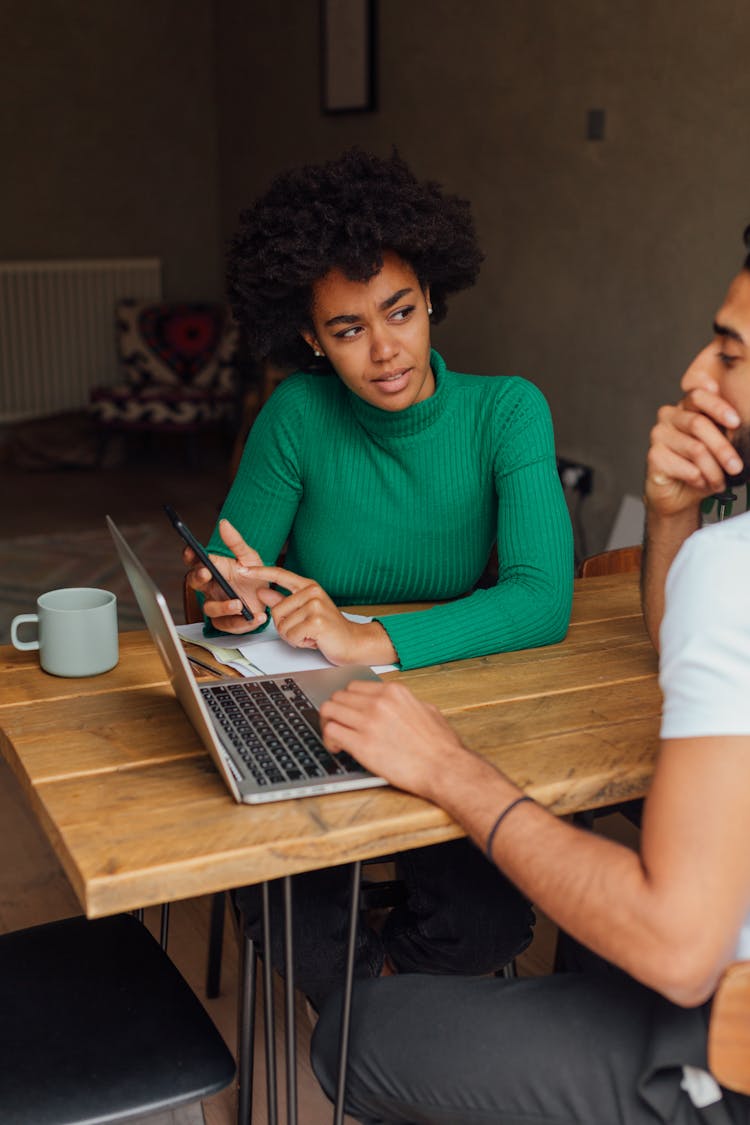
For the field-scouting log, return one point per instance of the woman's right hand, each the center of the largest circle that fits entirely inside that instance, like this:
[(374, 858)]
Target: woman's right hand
[(226, 614)]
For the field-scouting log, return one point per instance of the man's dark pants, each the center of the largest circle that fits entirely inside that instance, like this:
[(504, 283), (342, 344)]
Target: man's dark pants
[(568, 1049)]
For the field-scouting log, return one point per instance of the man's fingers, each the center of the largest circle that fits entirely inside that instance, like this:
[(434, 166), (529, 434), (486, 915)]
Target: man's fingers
[(699, 400), (347, 713), (358, 697), (360, 687), (668, 469), (337, 737), (691, 437)]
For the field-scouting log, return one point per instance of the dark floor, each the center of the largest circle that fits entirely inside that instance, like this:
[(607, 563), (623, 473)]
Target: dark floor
[(132, 490)]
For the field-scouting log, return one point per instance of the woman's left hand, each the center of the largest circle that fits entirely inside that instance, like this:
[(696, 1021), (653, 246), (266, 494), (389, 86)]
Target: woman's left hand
[(307, 618)]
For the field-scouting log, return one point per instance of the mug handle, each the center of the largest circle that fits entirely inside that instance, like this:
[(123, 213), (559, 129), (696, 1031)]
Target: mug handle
[(24, 646)]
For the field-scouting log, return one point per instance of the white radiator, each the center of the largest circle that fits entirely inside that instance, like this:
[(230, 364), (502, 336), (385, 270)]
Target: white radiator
[(57, 329)]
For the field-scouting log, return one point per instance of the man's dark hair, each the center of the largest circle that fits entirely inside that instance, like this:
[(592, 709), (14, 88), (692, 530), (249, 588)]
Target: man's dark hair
[(746, 240), (343, 214)]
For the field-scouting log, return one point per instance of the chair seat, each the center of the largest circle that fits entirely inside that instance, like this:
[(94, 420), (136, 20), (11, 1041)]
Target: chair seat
[(159, 406), (97, 1024)]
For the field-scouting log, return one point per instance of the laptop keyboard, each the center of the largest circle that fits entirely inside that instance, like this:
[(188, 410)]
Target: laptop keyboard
[(272, 726)]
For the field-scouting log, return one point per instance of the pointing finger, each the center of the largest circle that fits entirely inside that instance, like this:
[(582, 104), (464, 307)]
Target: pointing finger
[(286, 578)]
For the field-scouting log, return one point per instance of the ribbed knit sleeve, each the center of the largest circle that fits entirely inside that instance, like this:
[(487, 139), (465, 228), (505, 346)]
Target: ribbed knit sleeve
[(264, 497), (530, 605)]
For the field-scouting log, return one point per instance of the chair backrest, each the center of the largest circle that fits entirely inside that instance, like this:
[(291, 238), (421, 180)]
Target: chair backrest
[(729, 1029), (177, 344), (190, 604), (254, 398), (622, 560)]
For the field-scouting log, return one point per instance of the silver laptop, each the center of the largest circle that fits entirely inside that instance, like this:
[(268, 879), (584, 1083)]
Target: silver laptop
[(262, 733)]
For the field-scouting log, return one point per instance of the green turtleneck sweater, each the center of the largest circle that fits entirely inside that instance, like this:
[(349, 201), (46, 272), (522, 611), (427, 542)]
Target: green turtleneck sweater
[(383, 506)]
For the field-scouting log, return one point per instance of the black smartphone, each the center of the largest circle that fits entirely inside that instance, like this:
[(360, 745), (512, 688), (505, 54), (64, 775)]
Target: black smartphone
[(182, 529)]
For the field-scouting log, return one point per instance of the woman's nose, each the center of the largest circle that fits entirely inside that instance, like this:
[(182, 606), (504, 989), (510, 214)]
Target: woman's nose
[(383, 345)]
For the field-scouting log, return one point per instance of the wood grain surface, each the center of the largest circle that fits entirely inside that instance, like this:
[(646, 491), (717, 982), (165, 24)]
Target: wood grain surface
[(138, 815)]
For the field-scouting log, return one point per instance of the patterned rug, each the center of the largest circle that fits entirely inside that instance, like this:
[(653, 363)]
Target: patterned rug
[(32, 564)]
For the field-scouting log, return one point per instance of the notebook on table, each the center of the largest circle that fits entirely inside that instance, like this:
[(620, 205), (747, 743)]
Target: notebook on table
[(263, 733)]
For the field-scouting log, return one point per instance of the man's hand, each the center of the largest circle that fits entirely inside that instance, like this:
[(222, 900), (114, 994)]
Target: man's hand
[(307, 618), (239, 572), (689, 454), (688, 459), (393, 734)]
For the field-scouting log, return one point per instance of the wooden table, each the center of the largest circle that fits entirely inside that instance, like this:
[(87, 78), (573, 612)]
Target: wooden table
[(138, 815)]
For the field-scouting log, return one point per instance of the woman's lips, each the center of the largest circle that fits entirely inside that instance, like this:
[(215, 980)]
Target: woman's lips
[(393, 382)]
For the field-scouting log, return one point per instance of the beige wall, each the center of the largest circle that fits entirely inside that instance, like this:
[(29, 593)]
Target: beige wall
[(108, 135), (604, 260), (143, 127)]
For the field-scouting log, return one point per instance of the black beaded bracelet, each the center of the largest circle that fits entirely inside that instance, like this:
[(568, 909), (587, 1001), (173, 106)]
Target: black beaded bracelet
[(499, 821)]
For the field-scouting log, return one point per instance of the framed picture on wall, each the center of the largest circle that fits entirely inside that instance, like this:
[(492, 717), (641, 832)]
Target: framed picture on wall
[(347, 36)]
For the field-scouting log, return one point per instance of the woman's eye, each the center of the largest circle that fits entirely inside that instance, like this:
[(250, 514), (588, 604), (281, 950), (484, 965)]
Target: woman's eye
[(728, 359), (349, 333), (403, 313)]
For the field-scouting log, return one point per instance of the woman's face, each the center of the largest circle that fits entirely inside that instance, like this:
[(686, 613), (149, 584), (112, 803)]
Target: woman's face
[(376, 333)]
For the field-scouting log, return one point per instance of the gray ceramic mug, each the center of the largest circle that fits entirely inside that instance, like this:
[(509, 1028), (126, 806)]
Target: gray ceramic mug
[(76, 629)]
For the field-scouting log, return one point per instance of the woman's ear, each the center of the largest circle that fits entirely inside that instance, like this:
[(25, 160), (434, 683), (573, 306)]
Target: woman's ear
[(428, 302), (311, 342)]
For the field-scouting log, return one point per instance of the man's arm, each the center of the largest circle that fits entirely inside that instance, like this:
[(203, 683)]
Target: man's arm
[(687, 458), (663, 536), (667, 916)]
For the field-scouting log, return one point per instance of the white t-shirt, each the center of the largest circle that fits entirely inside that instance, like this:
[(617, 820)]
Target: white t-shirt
[(704, 668)]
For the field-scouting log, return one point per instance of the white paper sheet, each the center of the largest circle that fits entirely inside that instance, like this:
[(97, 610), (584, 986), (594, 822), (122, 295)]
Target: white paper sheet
[(265, 653)]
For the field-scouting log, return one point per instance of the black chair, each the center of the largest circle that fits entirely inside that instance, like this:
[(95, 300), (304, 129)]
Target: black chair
[(97, 1025)]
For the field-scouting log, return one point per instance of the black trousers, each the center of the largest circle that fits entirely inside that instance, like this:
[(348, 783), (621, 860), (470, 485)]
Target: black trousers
[(460, 916), (568, 1049)]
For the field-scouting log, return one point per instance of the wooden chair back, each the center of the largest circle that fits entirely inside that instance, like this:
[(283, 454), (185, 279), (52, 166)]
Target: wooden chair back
[(253, 399), (622, 560), (190, 604), (729, 1029)]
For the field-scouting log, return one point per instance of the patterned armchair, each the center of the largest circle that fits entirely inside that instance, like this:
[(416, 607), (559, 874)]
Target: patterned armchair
[(179, 367)]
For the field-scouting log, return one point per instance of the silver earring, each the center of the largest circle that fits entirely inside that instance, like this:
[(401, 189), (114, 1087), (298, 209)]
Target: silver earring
[(429, 310), (317, 353)]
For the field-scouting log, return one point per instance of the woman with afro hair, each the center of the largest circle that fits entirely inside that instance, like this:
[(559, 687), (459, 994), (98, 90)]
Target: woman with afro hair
[(391, 478)]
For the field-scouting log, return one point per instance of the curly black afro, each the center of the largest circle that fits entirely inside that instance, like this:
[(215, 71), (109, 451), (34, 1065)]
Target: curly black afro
[(342, 214)]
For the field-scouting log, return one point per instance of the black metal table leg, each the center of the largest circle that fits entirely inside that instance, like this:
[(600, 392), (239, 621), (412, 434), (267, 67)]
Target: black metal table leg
[(346, 1008), (290, 1023), (270, 1038), (246, 1032), (164, 931), (215, 943)]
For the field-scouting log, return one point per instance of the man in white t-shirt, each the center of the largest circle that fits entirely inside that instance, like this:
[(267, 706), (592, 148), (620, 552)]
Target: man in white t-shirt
[(625, 1047)]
